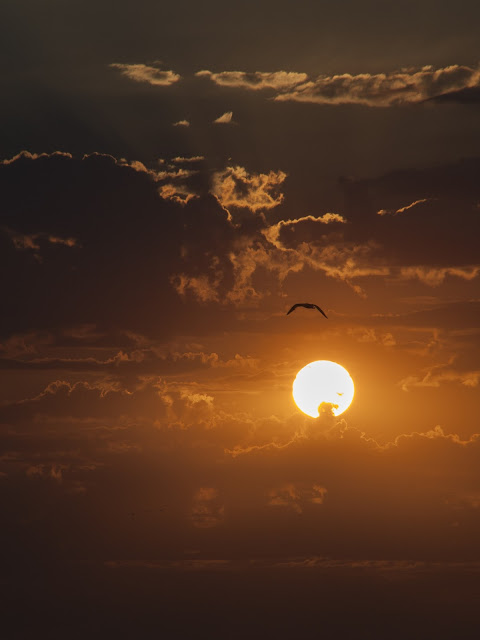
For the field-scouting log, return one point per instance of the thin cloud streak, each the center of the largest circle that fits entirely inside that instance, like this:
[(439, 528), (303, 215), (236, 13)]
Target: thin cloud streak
[(144, 73), (272, 233), (384, 212), (27, 155), (255, 81)]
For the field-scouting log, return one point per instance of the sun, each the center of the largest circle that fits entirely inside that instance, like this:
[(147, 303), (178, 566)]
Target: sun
[(320, 382)]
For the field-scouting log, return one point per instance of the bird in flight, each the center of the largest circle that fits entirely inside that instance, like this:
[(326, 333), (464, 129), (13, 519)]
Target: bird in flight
[(307, 305)]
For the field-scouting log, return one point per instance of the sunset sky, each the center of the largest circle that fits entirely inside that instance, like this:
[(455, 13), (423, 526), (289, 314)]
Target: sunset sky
[(173, 178)]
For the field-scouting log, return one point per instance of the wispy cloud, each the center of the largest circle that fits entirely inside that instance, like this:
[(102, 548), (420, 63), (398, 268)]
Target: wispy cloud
[(207, 509), (383, 212), (342, 261), (182, 159), (27, 155), (149, 74), (33, 241), (204, 287), (439, 375), (296, 496), (272, 233), (181, 123), (279, 80), (435, 276), (178, 193)]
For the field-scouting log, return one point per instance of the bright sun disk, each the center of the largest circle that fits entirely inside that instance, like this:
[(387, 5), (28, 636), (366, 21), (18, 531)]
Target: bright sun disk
[(321, 382)]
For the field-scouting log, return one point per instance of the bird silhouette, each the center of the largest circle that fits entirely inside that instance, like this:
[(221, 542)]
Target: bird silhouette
[(307, 305)]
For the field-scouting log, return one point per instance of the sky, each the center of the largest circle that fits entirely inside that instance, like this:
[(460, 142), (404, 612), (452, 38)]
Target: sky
[(173, 178)]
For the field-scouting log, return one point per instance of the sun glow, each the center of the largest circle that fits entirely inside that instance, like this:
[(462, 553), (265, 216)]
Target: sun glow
[(322, 382)]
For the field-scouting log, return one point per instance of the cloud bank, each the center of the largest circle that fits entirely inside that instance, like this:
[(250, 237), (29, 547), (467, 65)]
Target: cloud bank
[(389, 89)]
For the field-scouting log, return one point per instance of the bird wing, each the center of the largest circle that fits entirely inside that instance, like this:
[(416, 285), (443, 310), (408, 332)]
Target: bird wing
[(293, 308), (322, 312)]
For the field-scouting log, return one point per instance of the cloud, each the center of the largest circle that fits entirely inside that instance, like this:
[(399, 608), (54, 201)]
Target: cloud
[(370, 335), (136, 165), (225, 118), (296, 496), (55, 202), (221, 263), (417, 567), (435, 276), (278, 80), (140, 361), (204, 288), (118, 414), (27, 155), (174, 174), (438, 375), (395, 88), (53, 472), (227, 274), (207, 509), (188, 564), (24, 344), (184, 160), (341, 261), (433, 315), (235, 187), (149, 425), (470, 95), (383, 212), (151, 75), (458, 83), (181, 123), (423, 221), (177, 193), (176, 188), (158, 175), (273, 232), (228, 482), (33, 241)]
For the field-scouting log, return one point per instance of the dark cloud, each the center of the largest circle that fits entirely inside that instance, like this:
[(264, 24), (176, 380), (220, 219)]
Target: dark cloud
[(138, 241), (435, 215), (127, 244), (470, 95), (453, 180)]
